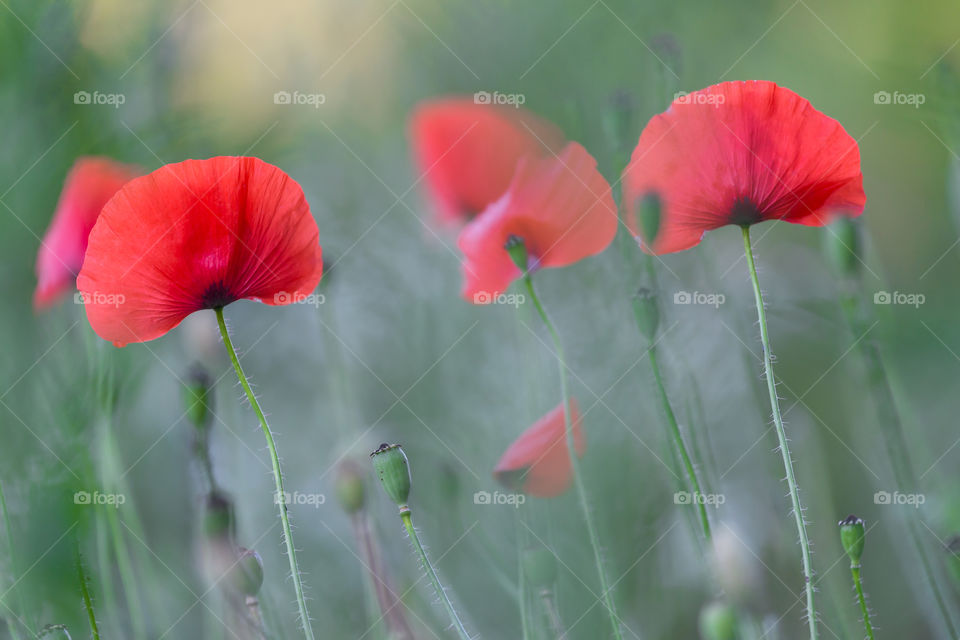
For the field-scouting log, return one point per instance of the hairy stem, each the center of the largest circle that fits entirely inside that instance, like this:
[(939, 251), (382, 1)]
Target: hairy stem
[(607, 596), (85, 593), (855, 571), (277, 476), (782, 437)]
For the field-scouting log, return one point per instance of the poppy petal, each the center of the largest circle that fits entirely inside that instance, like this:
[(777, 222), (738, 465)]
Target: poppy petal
[(741, 153), (467, 151), (196, 235), (538, 462), (560, 206), (91, 182)]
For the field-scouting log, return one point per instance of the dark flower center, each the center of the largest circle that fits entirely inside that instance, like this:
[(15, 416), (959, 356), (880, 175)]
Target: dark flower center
[(217, 295), (744, 212)]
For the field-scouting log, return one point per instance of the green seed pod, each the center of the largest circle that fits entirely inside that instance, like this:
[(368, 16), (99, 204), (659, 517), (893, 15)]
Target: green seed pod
[(718, 621), (540, 566), (647, 312), (518, 252), (218, 517), (648, 215), (851, 537), (197, 397), (841, 242), (350, 487), (390, 463), (246, 575)]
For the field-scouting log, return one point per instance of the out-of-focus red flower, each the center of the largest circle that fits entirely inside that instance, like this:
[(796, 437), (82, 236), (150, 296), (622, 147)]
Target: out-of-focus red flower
[(467, 152), (560, 206), (741, 153), (92, 181), (195, 235), (538, 462)]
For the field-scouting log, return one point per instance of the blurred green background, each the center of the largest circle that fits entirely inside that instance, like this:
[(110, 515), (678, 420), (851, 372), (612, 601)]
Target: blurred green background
[(393, 354)]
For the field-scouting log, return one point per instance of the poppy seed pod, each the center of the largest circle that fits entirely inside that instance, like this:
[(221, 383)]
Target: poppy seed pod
[(350, 488), (718, 621), (852, 538), (646, 311), (540, 565), (518, 252), (648, 209), (197, 397), (218, 517), (246, 575), (390, 463)]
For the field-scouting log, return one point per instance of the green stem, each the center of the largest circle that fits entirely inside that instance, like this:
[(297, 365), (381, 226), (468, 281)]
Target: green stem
[(14, 629), (522, 594), (575, 462), (412, 532), (895, 445), (277, 475), (85, 593), (678, 441), (855, 571), (782, 436)]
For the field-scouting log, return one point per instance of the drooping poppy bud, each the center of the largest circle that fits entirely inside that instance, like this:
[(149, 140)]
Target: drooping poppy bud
[(390, 463), (718, 621), (197, 396), (842, 246), (219, 521), (246, 575), (647, 312), (540, 567), (350, 487), (852, 538)]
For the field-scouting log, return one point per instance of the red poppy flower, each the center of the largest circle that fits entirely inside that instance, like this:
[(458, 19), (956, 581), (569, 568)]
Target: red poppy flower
[(742, 153), (538, 462), (467, 151), (89, 185), (560, 206), (197, 235)]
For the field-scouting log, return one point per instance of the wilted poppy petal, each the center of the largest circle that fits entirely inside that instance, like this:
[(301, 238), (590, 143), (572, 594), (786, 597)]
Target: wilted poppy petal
[(560, 206), (467, 152), (538, 462), (196, 235), (741, 153), (90, 184)]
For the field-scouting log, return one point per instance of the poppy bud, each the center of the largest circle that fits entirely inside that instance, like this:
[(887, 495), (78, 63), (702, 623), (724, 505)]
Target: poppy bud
[(851, 537), (842, 246), (518, 252), (648, 214), (646, 311), (197, 397), (390, 463), (350, 487), (246, 575), (540, 566), (218, 517), (718, 621), (618, 122)]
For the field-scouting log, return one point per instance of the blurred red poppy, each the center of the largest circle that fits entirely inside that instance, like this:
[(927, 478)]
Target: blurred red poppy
[(741, 153), (195, 235), (467, 152), (91, 182), (538, 462), (560, 206)]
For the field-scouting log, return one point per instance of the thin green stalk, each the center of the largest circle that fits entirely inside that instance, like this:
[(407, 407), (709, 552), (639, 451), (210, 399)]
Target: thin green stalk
[(85, 593), (553, 616), (782, 436), (277, 475), (607, 596), (522, 594), (681, 447), (855, 572), (895, 444), (14, 629), (412, 532)]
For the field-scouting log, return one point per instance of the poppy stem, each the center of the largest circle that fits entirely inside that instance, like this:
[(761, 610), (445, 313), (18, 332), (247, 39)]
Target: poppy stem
[(12, 623), (85, 593), (277, 475), (782, 436), (858, 585), (574, 461), (428, 567)]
